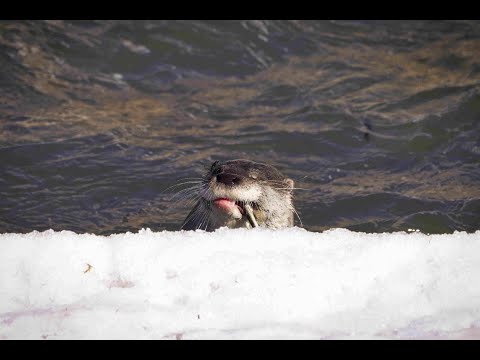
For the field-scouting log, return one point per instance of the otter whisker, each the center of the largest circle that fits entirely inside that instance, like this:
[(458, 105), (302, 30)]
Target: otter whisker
[(189, 199), (196, 185), (185, 193), (191, 188), (193, 216), (296, 213), (202, 222), (187, 182), (181, 184), (205, 222)]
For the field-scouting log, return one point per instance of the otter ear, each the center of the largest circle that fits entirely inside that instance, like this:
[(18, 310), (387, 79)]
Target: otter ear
[(215, 163), (290, 183)]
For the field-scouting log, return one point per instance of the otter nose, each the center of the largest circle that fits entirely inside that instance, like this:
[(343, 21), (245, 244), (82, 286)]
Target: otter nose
[(228, 179)]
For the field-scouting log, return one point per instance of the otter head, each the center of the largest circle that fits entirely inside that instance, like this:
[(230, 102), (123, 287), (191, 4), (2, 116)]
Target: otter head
[(242, 193)]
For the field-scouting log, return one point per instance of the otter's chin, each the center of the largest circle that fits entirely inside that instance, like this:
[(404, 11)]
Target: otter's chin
[(229, 207)]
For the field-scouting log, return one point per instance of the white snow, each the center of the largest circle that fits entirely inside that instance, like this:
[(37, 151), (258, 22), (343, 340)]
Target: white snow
[(240, 284)]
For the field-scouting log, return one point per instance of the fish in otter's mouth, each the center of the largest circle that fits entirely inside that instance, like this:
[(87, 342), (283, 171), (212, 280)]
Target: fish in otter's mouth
[(241, 193), (235, 207)]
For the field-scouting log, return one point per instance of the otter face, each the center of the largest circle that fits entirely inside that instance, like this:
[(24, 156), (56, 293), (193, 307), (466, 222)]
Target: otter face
[(235, 191)]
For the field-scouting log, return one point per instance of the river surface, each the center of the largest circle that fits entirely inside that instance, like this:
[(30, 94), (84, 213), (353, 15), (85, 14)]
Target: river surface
[(378, 122)]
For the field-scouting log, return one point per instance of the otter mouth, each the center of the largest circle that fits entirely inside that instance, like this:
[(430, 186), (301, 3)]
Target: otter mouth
[(228, 205), (237, 209)]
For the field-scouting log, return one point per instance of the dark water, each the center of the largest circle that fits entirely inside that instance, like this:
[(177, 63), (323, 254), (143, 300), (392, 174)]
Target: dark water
[(379, 121)]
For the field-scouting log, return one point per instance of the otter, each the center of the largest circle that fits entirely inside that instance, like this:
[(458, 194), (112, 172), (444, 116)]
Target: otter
[(242, 194)]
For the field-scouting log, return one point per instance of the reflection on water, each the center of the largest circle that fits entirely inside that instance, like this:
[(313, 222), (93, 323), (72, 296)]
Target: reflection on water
[(378, 121)]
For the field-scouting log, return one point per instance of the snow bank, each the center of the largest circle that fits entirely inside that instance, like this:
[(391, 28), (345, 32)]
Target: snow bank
[(239, 284)]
